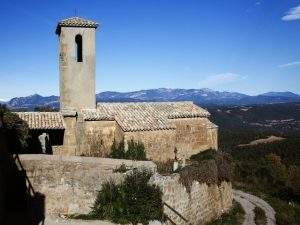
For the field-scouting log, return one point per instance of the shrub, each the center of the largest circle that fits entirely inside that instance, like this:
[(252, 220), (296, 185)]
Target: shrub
[(136, 150), (109, 203), (143, 201), (210, 166), (204, 172), (260, 216), (234, 216), (117, 150), (14, 130), (204, 155), (224, 165), (165, 168), (132, 201), (121, 169)]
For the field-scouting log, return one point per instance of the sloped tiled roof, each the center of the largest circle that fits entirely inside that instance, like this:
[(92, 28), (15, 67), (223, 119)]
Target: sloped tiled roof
[(185, 109), (150, 115), (95, 115), (43, 120), (75, 22)]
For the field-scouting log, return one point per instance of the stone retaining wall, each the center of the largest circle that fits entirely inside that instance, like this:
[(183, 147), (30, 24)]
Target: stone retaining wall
[(70, 184), (202, 204)]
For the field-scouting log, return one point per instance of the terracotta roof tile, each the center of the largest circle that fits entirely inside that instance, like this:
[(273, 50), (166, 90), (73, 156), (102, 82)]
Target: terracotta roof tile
[(75, 22), (43, 120), (95, 115), (150, 115)]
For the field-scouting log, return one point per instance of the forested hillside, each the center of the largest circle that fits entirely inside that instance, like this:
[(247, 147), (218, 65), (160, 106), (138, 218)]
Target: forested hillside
[(269, 169)]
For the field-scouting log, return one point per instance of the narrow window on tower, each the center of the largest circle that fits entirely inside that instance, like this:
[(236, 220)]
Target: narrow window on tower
[(78, 41)]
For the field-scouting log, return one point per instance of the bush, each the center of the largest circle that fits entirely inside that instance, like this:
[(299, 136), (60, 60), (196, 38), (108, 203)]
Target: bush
[(117, 150), (260, 216), (109, 203), (204, 172), (143, 201), (121, 169), (14, 130), (210, 166), (135, 151), (165, 168), (133, 201), (234, 216), (225, 167), (204, 155)]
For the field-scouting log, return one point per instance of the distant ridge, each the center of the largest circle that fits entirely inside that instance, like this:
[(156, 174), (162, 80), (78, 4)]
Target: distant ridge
[(199, 96)]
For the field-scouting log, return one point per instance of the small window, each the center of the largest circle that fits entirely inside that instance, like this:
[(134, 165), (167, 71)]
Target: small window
[(78, 41)]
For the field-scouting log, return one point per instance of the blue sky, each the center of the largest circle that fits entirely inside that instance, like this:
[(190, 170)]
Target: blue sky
[(245, 46)]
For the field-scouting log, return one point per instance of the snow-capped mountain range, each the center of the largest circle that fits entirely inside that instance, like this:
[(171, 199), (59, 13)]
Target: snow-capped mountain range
[(199, 96)]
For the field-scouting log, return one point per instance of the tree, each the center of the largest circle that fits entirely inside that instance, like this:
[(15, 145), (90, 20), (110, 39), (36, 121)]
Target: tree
[(13, 130), (44, 109)]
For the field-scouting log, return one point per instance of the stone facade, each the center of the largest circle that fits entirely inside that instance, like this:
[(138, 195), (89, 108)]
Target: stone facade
[(159, 145), (191, 136), (98, 138), (95, 138)]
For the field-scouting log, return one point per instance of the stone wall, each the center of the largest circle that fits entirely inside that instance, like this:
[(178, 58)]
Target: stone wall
[(70, 184), (159, 145), (99, 137), (69, 140), (212, 136), (202, 204), (95, 138), (191, 136)]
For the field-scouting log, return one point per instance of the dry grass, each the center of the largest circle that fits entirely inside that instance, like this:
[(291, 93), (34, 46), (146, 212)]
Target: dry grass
[(269, 139)]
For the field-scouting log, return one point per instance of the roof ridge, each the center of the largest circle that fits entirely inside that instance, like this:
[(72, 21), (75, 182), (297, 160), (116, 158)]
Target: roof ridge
[(145, 102), (75, 22)]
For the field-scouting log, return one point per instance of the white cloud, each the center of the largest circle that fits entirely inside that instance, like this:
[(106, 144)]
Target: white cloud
[(292, 14), (220, 79), (296, 63)]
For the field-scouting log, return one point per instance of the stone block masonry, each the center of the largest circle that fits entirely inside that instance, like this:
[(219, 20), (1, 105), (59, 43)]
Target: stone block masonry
[(70, 184), (201, 205)]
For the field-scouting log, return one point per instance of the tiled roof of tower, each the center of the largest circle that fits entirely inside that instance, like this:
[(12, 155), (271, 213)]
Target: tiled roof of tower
[(43, 120), (75, 22), (150, 115)]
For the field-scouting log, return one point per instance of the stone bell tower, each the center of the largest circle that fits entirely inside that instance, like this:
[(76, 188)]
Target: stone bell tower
[(76, 63)]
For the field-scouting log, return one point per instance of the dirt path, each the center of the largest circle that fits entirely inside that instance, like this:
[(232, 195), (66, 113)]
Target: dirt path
[(248, 202)]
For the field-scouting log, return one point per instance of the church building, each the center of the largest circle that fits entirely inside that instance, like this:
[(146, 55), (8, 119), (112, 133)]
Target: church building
[(167, 129)]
